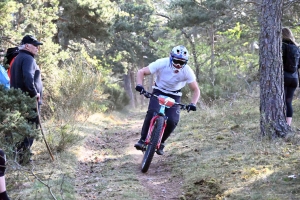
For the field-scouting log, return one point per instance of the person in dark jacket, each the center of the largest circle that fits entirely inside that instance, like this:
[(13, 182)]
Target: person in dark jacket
[(26, 75), (290, 78), (3, 194)]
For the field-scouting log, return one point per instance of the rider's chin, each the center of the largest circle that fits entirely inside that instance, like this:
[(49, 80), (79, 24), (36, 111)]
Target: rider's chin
[(177, 66)]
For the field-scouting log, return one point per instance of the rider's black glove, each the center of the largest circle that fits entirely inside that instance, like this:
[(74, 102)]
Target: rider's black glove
[(191, 106), (139, 88)]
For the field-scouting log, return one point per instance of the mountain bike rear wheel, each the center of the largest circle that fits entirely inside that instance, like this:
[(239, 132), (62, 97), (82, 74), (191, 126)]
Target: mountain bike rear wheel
[(150, 148)]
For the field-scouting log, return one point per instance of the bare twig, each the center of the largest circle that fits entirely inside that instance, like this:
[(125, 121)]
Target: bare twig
[(61, 185), (42, 130), (49, 188)]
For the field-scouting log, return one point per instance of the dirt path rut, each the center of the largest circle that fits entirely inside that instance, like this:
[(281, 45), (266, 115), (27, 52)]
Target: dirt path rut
[(109, 165)]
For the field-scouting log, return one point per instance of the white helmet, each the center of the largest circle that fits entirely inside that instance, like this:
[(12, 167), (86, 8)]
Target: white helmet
[(179, 56)]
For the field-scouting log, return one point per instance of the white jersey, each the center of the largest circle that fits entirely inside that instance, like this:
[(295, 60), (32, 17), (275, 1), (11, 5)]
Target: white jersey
[(167, 80)]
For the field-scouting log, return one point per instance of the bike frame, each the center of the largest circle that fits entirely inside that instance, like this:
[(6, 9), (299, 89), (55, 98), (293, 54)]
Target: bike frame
[(147, 141), (157, 127), (164, 102)]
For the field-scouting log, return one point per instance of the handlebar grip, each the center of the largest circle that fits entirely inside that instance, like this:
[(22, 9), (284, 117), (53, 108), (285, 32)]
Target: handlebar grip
[(147, 95)]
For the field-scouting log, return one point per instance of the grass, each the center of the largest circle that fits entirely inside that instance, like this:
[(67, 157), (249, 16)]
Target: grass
[(221, 154), (217, 152)]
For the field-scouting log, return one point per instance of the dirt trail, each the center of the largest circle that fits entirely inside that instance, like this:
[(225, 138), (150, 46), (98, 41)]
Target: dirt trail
[(100, 174), (159, 180)]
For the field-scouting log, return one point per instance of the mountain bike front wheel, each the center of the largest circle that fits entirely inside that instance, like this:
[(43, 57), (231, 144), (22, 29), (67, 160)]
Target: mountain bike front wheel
[(150, 148)]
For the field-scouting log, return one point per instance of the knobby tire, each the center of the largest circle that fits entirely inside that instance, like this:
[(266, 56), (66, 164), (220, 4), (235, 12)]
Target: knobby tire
[(150, 149)]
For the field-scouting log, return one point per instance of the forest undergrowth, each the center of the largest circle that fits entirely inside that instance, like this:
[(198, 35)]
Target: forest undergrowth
[(215, 153)]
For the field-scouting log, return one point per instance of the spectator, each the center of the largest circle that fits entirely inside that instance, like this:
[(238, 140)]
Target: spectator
[(10, 56), (26, 75), (290, 58), (4, 79)]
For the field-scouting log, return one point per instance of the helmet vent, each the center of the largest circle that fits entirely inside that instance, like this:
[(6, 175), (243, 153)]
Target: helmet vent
[(179, 52)]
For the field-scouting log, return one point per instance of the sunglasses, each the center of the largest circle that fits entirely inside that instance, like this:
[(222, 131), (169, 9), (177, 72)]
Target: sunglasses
[(180, 62)]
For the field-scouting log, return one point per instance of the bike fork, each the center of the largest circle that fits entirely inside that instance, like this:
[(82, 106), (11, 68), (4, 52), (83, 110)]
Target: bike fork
[(151, 127)]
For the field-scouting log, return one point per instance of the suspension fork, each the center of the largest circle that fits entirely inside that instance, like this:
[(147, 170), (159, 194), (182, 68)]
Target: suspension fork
[(151, 129)]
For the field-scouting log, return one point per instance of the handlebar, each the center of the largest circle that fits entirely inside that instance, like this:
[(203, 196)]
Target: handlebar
[(149, 95)]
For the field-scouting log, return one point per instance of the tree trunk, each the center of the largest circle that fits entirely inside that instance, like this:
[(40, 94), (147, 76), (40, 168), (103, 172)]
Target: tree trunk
[(194, 53), (272, 106), (128, 88), (212, 60)]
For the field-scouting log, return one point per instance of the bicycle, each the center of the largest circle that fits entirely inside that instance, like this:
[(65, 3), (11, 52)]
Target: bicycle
[(157, 126)]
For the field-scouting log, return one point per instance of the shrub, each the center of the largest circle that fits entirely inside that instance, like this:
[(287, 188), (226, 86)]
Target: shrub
[(15, 108)]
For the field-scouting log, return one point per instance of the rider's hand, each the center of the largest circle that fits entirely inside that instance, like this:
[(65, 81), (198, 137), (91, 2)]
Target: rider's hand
[(191, 106), (139, 88)]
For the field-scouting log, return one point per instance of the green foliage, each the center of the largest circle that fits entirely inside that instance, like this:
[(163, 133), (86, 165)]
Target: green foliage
[(188, 13), (78, 88), (117, 98), (6, 8), (15, 108), (62, 137), (234, 66), (135, 17), (130, 37), (82, 21), (291, 14)]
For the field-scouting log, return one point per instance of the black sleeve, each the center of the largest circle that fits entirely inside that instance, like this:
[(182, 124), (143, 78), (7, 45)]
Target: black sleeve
[(28, 69), (284, 47)]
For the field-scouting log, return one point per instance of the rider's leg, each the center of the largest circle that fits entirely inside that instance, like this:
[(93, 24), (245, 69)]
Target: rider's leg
[(153, 108), (171, 125), (173, 115), (145, 128)]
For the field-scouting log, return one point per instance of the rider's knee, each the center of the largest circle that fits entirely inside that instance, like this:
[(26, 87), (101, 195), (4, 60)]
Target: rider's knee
[(171, 124), (2, 163), (151, 112)]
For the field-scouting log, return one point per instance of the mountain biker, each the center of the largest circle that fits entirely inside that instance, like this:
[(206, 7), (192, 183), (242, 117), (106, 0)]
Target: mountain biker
[(172, 74)]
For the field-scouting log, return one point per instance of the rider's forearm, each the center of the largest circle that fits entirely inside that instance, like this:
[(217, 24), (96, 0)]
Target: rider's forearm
[(195, 96), (141, 74), (140, 77)]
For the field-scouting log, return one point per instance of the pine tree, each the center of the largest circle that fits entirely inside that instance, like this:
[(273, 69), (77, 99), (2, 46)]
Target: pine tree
[(15, 108)]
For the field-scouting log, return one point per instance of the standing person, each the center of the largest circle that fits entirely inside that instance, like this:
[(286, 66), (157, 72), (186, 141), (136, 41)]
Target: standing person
[(10, 56), (26, 75), (3, 194), (172, 74), (290, 58), (4, 78)]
